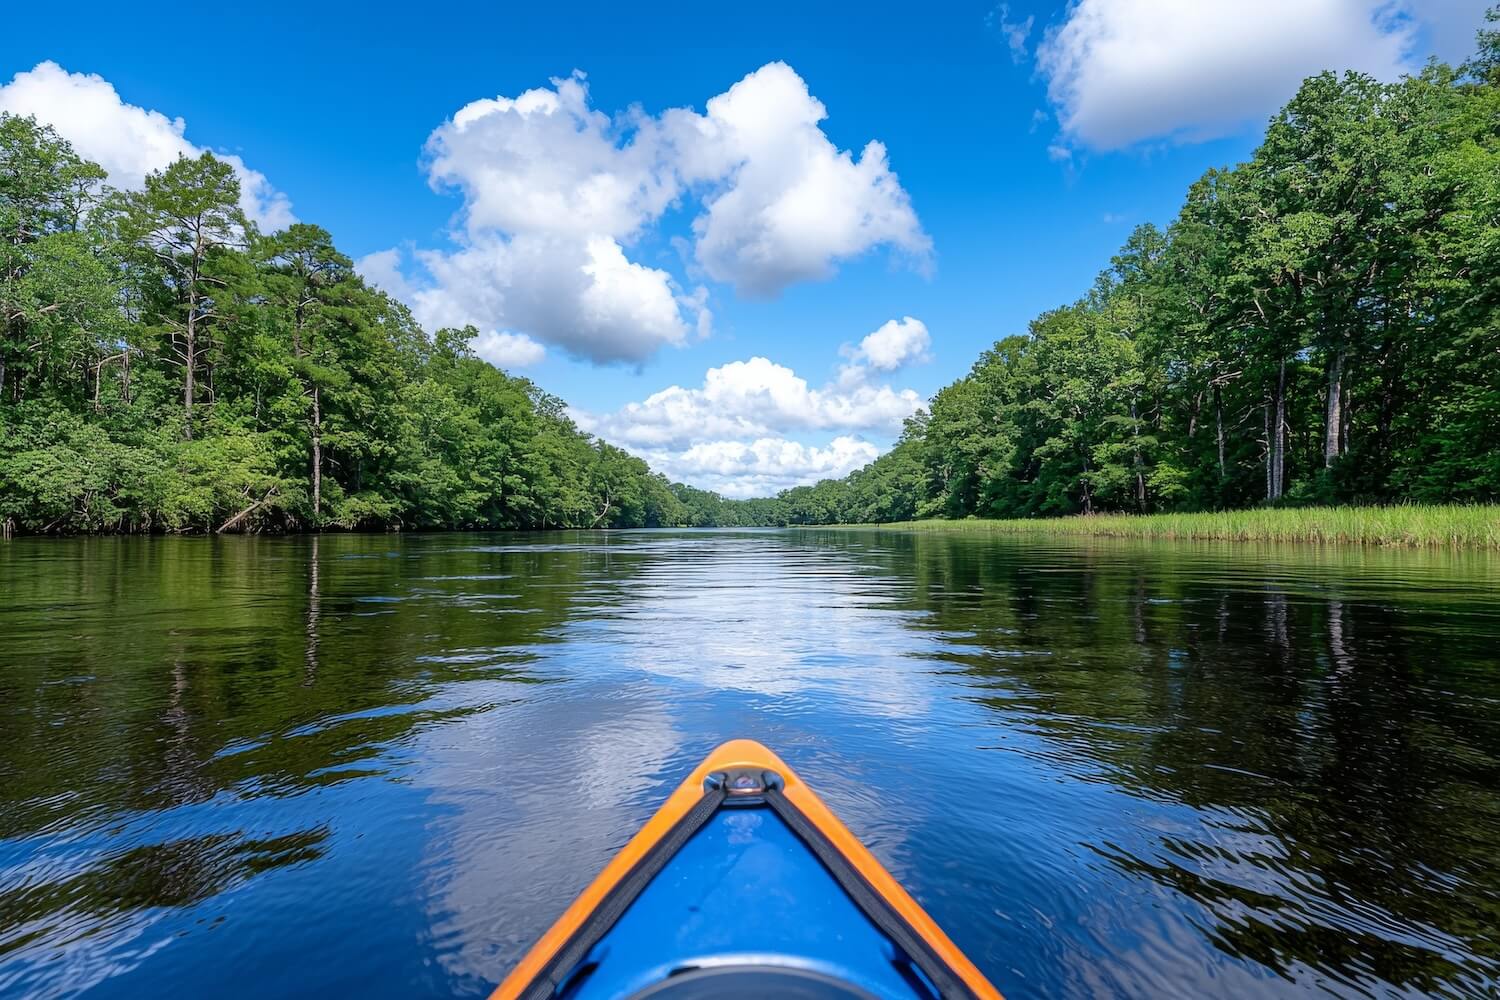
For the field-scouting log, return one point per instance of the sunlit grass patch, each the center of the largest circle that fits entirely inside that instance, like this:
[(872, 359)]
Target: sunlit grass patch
[(1431, 526)]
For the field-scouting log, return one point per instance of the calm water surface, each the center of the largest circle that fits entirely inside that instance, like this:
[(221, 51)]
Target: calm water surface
[(310, 767)]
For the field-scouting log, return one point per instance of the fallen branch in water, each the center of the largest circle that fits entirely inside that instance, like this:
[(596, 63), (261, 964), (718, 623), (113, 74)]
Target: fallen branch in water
[(257, 505)]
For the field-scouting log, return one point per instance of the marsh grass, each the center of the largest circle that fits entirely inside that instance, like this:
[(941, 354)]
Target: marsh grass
[(1418, 526)]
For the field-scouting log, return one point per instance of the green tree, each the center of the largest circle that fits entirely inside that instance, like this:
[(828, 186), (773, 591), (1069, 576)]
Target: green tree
[(186, 229), (305, 284), (56, 296)]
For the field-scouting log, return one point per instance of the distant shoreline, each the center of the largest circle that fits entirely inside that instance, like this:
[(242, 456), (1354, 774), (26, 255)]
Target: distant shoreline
[(1474, 527), (1452, 526)]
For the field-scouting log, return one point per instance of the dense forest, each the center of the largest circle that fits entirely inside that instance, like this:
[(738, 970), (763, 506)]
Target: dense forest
[(1319, 324), (164, 366)]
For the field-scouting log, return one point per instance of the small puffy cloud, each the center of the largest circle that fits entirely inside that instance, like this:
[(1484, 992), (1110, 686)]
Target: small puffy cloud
[(501, 348), (545, 162), (551, 187), (696, 303), (751, 399), (785, 204), (896, 344), (751, 427), (127, 141), (556, 194), (762, 467), (508, 350), (1120, 72), (383, 270), (583, 296)]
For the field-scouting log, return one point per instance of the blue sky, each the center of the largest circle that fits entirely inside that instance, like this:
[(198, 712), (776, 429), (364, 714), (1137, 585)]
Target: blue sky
[(587, 228)]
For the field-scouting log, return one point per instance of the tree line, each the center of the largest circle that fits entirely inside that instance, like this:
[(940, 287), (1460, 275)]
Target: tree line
[(164, 366), (1320, 324)]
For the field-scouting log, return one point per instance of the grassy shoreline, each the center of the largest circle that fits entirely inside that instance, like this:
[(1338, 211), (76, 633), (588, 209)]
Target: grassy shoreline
[(1415, 526)]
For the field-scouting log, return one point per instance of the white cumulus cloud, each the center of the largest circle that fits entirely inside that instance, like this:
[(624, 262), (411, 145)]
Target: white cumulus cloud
[(383, 270), (546, 162), (508, 350), (127, 141), (583, 296), (501, 348), (786, 204), (1120, 72), (556, 196), (750, 399), (763, 467), (751, 427), (898, 343)]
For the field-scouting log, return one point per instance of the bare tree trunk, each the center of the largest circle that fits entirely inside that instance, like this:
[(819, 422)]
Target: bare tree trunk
[(1270, 454), (608, 502), (1139, 462), (317, 456), (1334, 419), (1276, 436), (1219, 426), (1346, 427), (190, 335), (190, 359), (1281, 430)]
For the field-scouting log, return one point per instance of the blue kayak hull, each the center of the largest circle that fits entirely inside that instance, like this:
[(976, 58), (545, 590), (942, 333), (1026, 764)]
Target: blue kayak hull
[(744, 891), (744, 885)]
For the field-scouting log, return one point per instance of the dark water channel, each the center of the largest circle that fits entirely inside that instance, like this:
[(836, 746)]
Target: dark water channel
[(383, 764)]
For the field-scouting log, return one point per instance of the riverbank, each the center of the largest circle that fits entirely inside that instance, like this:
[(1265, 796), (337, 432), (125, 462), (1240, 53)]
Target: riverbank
[(1413, 526)]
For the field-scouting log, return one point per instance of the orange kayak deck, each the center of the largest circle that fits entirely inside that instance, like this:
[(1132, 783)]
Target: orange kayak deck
[(744, 883)]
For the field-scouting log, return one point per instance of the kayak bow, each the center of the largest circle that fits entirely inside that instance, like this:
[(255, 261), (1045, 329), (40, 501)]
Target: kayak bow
[(744, 884)]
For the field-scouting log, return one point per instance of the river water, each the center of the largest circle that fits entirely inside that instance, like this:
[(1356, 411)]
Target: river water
[(384, 764)]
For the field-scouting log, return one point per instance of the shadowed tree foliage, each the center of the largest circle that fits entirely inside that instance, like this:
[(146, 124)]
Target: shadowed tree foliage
[(165, 366), (1319, 324)]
